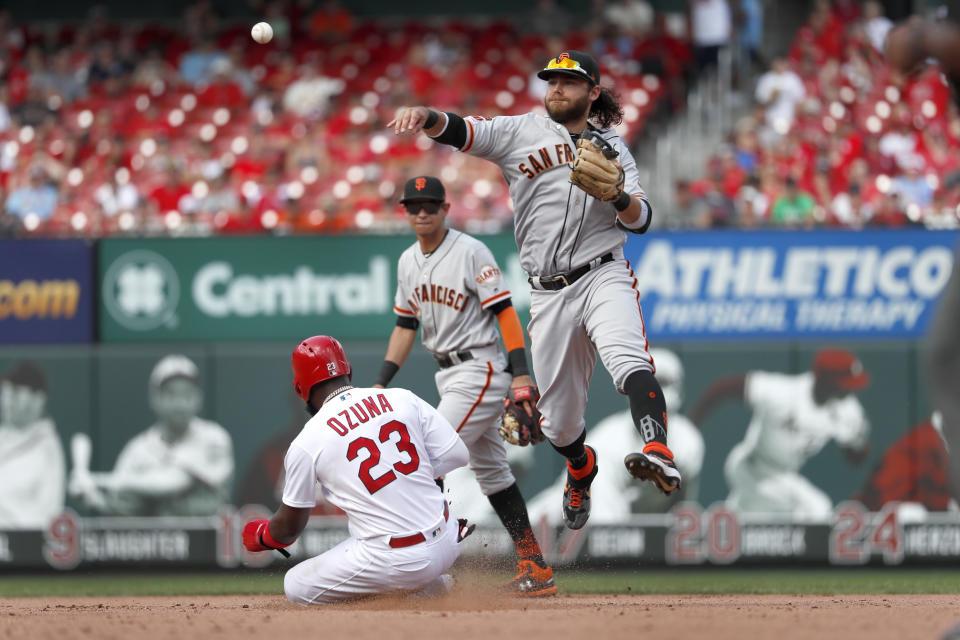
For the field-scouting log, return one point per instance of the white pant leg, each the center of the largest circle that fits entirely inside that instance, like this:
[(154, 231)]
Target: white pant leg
[(471, 399), (563, 361), (614, 321), (356, 568)]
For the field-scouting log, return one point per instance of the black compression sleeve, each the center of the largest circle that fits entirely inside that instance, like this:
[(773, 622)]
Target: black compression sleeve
[(495, 309), (518, 362), (408, 323), (455, 134), (387, 370)]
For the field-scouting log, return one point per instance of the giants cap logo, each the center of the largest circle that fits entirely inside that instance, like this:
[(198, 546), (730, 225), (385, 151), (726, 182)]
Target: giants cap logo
[(420, 184), (563, 56)]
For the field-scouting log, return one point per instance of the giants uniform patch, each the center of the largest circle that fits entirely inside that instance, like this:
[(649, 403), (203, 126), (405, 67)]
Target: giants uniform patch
[(448, 292)]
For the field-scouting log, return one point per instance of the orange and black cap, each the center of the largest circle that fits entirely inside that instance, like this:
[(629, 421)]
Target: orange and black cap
[(423, 188), (573, 63)]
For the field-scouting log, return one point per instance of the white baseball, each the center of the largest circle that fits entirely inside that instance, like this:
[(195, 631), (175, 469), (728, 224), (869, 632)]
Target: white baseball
[(262, 32)]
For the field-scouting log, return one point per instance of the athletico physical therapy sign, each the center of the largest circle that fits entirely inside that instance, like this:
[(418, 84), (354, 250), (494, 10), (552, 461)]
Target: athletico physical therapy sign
[(816, 284)]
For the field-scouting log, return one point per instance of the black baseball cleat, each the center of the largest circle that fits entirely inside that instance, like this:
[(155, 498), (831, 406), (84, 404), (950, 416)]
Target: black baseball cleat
[(655, 467), (576, 495)]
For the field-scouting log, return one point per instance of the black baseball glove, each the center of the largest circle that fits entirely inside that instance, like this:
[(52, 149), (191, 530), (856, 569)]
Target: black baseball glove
[(517, 426)]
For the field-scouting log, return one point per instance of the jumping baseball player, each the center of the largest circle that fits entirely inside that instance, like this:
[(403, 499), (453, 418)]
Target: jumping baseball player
[(794, 416), (449, 285), (576, 191), (621, 496), (376, 454)]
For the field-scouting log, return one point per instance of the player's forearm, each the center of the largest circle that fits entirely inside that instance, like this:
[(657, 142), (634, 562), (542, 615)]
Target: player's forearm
[(637, 215), (451, 130), (288, 523), (400, 345), (512, 331), (398, 350)]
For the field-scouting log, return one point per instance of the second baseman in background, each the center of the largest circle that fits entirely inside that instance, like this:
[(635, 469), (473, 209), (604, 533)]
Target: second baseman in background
[(794, 416), (584, 299), (450, 287)]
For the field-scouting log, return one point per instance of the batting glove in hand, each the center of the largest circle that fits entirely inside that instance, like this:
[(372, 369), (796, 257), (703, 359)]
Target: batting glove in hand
[(518, 426), (256, 537), (253, 535), (595, 169)]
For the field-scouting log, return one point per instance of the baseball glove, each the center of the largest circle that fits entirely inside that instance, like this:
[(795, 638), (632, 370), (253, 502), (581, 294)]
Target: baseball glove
[(595, 169), (517, 427)]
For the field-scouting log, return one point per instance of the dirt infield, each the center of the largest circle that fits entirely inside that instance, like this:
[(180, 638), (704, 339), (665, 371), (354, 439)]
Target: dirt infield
[(468, 615)]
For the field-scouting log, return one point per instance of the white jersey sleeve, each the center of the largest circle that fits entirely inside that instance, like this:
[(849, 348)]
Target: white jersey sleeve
[(490, 285), (490, 138), (764, 389), (631, 176), (300, 484), (445, 448)]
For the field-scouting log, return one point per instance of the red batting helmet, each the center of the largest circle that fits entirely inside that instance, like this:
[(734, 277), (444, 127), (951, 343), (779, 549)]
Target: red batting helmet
[(317, 359)]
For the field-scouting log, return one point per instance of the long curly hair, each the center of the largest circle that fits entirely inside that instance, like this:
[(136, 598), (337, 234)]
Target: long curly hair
[(606, 110)]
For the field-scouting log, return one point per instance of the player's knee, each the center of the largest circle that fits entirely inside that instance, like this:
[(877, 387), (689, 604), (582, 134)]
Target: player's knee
[(294, 589)]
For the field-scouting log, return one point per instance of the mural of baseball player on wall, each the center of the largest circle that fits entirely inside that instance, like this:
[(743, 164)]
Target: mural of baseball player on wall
[(180, 466), (31, 457), (794, 416)]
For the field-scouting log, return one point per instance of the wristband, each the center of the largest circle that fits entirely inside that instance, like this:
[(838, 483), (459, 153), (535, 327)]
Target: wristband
[(518, 362), (387, 370), (622, 201), (267, 540), (432, 118)]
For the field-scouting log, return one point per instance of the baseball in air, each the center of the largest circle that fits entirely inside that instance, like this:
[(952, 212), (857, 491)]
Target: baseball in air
[(262, 32)]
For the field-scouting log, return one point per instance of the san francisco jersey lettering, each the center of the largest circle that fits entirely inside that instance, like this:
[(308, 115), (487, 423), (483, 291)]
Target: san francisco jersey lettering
[(448, 292), (558, 226)]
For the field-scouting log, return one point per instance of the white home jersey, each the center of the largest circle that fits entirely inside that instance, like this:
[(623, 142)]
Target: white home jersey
[(558, 227), (788, 428), (448, 292), (375, 453)]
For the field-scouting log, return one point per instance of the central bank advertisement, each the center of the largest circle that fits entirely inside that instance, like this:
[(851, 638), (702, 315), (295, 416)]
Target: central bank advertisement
[(259, 288)]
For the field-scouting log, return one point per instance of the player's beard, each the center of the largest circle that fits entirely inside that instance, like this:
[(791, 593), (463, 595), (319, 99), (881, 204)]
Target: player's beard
[(570, 112)]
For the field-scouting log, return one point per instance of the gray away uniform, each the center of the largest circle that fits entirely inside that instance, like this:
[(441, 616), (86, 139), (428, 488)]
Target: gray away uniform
[(450, 292), (560, 228)]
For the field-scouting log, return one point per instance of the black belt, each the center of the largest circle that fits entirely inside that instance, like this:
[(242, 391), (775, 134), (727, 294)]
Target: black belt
[(562, 280), (454, 357)]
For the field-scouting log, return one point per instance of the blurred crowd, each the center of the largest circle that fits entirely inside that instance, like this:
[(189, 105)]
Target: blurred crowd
[(192, 128), (836, 138)]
